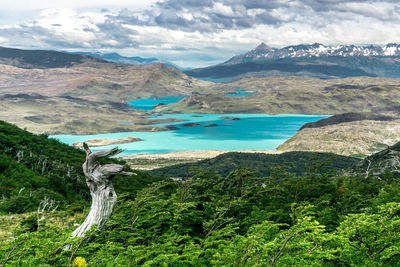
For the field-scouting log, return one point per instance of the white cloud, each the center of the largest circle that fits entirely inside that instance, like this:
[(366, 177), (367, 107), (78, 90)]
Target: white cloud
[(198, 33), (220, 8), (3, 40)]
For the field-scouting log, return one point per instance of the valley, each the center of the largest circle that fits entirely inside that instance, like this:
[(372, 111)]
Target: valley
[(82, 95)]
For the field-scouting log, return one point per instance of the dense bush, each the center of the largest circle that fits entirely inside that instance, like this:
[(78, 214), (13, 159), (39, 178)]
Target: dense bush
[(241, 219)]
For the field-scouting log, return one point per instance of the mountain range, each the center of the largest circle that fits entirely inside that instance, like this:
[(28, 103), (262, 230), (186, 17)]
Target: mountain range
[(263, 52), (315, 60), (117, 58)]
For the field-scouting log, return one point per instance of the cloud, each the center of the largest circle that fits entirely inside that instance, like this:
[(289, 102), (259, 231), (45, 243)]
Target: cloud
[(206, 31), (3, 40), (65, 28)]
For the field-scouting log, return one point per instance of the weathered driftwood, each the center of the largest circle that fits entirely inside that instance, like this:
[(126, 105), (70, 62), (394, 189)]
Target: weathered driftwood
[(98, 179)]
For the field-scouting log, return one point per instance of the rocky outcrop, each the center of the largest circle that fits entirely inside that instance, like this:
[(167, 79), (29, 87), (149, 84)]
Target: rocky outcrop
[(192, 124), (171, 127), (230, 118)]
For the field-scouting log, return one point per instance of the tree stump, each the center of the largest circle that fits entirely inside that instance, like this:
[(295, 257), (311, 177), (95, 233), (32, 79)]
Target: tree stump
[(98, 179)]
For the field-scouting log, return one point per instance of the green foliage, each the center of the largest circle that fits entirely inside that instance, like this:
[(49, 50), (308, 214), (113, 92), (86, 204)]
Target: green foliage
[(33, 167), (372, 238), (238, 220), (29, 224)]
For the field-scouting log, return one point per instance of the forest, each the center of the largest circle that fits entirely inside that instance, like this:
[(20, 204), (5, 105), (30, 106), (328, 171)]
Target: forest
[(316, 211)]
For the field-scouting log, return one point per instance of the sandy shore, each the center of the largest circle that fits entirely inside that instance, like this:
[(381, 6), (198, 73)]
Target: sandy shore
[(107, 142), (192, 155)]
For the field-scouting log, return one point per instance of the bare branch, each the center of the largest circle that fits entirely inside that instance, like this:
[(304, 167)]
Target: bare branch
[(74, 252)]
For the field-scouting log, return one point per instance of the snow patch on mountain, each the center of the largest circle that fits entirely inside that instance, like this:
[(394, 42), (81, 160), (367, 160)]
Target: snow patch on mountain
[(264, 52)]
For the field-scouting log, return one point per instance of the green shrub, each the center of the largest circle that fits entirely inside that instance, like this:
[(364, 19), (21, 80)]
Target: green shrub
[(29, 224)]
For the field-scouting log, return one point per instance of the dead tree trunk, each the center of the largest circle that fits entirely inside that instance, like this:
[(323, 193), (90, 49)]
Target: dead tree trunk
[(98, 179)]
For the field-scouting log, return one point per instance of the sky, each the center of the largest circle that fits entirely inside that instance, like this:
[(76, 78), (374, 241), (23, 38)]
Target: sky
[(194, 33)]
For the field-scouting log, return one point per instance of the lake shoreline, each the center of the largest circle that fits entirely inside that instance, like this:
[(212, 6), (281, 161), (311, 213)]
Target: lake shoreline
[(192, 154)]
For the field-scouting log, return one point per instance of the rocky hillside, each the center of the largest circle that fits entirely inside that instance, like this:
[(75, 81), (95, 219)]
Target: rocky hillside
[(384, 164), (358, 138)]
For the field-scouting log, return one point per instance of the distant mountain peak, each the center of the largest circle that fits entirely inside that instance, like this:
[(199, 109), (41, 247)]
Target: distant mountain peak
[(262, 47)]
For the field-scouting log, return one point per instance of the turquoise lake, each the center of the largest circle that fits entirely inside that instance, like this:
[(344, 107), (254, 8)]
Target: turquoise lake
[(240, 93), (249, 132), (150, 103)]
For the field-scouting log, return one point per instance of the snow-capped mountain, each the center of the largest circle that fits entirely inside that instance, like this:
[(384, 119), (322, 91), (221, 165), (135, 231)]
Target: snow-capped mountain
[(263, 52)]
